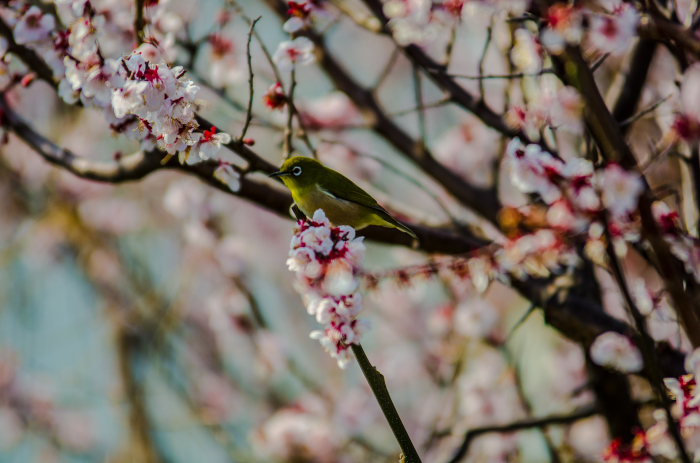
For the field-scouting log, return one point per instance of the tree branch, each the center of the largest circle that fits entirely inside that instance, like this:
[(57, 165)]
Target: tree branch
[(376, 382), (610, 140), (139, 22), (482, 200), (469, 436)]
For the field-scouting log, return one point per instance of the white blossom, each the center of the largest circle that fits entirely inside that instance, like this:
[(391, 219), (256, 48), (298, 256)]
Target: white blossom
[(620, 189), (34, 26), (616, 351), (289, 53)]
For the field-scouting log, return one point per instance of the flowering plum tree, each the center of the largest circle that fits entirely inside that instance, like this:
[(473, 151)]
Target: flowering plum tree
[(546, 154)]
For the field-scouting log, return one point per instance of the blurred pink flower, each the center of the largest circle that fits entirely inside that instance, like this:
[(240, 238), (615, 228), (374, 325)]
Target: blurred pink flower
[(33, 26), (613, 33), (616, 351), (620, 190), (564, 27), (299, 50)]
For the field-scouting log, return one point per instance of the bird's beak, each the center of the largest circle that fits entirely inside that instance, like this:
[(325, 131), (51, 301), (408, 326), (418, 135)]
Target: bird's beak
[(278, 174)]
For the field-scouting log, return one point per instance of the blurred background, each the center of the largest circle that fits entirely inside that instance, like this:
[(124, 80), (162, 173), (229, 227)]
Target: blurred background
[(156, 321)]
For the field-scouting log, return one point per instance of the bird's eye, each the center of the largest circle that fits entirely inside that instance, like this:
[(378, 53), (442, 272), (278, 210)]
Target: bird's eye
[(297, 171)]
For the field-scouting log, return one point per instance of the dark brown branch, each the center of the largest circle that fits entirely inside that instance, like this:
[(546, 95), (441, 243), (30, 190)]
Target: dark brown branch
[(610, 140), (249, 60), (634, 83), (438, 73), (142, 447), (646, 346), (137, 166), (289, 129), (139, 22), (482, 200), (552, 420), (378, 385)]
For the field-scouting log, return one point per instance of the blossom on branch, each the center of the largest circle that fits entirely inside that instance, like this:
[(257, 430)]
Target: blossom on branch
[(616, 351), (564, 27), (275, 98), (33, 26), (299, 50), (326, 261), (613, 33), (620, 190)]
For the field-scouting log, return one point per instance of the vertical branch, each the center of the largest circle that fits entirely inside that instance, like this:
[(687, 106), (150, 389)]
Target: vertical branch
[(266, 52), (646, 346), (142, 447), (249, 110), (386, 70), (139, 22), (489, 32), (288, 132), (376, 381), (694, 165), (418, 88)]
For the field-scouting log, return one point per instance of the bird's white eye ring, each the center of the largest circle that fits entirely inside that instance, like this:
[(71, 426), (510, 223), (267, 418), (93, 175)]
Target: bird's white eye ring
[(297, 171)]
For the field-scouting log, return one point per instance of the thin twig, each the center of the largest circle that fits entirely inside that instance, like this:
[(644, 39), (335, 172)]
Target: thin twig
[(249, 110), (358, 17), (435, 104), (418, 89), (522, 320), (376, 382), (518, 75), (139, 22), (489, 34), (646, 344), (387, 69), (288, 132), (470, 435), (450, 46), (643, 112), (598, 62), (239, 10), (694, 165)]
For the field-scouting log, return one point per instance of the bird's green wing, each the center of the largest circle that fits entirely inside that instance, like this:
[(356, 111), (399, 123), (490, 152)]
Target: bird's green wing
[(341, 187)]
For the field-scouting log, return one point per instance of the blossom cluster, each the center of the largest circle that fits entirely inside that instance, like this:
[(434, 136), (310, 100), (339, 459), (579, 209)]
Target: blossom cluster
[(143, 100), (577, 194), (326, 260), (611, 26), (607, 26), (657, 441)]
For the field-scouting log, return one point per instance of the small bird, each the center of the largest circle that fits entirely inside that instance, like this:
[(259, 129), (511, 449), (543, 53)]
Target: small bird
[(315, 186)]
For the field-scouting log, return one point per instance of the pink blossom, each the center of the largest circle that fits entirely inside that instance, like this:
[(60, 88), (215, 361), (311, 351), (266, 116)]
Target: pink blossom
[(299, 50), (34, 26), (471, 137), (275, 98), (564, 27), (300, 13), (411, 21), (613, 33), (620, 189), (643, 298), (224, 68), (615, 350), (329, 112), (533, 170), (226, 174), (326, 260), (210, 143)]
